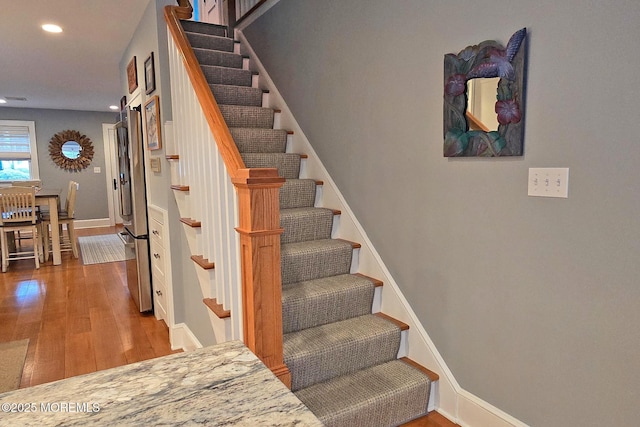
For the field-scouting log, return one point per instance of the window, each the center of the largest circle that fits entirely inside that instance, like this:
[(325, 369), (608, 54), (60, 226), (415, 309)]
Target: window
[(18, 152)]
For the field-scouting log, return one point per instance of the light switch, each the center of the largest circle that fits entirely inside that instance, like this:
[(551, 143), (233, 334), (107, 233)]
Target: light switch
[(549, 182), (96, 169)]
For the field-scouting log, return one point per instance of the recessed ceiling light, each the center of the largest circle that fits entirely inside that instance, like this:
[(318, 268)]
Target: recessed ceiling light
[(114, 107), (3, 101), (52, 28)]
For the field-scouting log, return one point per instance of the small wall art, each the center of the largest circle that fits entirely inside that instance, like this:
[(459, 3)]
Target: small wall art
[(149, 75), (152, 123), (132, 75), (496, 74), (154, 163)]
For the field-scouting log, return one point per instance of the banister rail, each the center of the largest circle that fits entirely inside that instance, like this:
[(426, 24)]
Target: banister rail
[(258, 216)]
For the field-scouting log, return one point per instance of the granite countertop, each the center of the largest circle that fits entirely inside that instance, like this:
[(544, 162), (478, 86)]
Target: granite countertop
[(221, 385)]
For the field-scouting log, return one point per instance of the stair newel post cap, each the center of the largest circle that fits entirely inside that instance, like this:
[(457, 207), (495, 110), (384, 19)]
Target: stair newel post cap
[(258, 194)]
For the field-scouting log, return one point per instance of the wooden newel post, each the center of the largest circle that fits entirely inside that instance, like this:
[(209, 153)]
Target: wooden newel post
[(259, 229)]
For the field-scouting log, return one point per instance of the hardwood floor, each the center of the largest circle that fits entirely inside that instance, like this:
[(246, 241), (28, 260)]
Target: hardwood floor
[(79, 318), (434, 419)]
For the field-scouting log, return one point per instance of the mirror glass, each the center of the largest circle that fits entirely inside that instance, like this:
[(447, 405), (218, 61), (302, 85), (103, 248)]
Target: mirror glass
[(71, 150), (481, 104), (484, 99)]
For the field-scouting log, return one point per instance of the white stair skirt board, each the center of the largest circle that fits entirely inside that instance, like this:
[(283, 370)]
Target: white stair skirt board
[(451, 400), (181, 337)]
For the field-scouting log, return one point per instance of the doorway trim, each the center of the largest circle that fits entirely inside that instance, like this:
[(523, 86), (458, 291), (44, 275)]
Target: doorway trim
[(111, 173)]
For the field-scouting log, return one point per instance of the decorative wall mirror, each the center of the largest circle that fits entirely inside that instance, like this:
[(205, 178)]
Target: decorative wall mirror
[(71, 150), (484, 99)]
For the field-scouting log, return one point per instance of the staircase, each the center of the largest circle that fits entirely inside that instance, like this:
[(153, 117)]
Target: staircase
[(342, 357)]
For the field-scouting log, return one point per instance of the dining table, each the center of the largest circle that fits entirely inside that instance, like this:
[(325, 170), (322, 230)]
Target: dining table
[(46, 197)]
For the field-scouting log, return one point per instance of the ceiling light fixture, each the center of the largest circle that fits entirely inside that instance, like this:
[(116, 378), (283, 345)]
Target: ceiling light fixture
[(3, 101), (114, 107), (52, 28)]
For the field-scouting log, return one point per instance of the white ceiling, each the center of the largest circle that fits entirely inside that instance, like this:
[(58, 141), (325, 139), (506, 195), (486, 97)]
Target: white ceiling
[(77, 69)]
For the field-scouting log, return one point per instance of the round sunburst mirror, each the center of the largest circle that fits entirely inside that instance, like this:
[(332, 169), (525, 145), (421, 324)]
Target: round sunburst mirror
[(71, 150)]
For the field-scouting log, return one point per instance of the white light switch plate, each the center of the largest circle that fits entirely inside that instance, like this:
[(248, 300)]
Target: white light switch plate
[(96, 169), (549, 182)]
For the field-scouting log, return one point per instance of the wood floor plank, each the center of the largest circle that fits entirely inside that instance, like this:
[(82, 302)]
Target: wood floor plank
[(49, 360), (79, 354), (108, 347)]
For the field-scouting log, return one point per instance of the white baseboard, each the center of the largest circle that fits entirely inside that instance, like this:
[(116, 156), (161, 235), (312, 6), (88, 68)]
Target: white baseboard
[(91, 223), (180, 336), (475, 412)]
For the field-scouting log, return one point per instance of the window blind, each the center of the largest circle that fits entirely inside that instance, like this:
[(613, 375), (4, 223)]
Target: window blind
[(15, 143)]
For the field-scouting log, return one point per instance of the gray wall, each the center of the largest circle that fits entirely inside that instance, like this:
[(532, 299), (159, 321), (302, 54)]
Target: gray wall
[(151, 36), (92, 195), (532, 302)]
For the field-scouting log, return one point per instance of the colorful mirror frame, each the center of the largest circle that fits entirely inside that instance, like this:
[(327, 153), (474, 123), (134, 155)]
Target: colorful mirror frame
[(486, 60)]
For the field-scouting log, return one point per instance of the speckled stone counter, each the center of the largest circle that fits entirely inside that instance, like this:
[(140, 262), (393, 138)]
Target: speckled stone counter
[(221, 385)]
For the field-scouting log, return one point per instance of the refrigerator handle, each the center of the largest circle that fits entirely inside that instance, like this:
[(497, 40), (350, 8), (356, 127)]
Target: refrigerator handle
[(128, 244), (115, 184)]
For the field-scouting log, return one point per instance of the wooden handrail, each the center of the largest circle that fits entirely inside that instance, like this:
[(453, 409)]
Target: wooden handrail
[(187, 10), (258, 222), (226, 145)]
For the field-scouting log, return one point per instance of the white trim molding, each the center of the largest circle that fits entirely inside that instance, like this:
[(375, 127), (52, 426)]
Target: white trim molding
[(92, 223), (181, 337)]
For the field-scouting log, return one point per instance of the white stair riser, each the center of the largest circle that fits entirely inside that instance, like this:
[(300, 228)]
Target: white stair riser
[(221, 328)]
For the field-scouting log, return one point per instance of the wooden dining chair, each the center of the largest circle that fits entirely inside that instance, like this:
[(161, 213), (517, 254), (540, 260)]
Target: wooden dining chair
[(17, 213), (37, 183), (66, 216)]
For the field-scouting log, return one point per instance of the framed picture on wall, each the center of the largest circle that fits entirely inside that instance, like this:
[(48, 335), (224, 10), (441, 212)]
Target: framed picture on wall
[(154, 162), (132, 75), (149, 75), (152, 123)]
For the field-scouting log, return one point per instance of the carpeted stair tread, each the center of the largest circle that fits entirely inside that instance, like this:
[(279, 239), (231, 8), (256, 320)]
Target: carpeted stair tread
[(303, 224), (205, 41), (237, 95), (226, 76), (318, 354), (219, 58), (288, 164), (257, 140), (314, 259), (296, 193), (326, 300), (204, 28), (238, 116), (381, 396)]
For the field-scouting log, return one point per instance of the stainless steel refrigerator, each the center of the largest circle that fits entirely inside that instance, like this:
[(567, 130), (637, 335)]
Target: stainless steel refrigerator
[(133, 207)]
